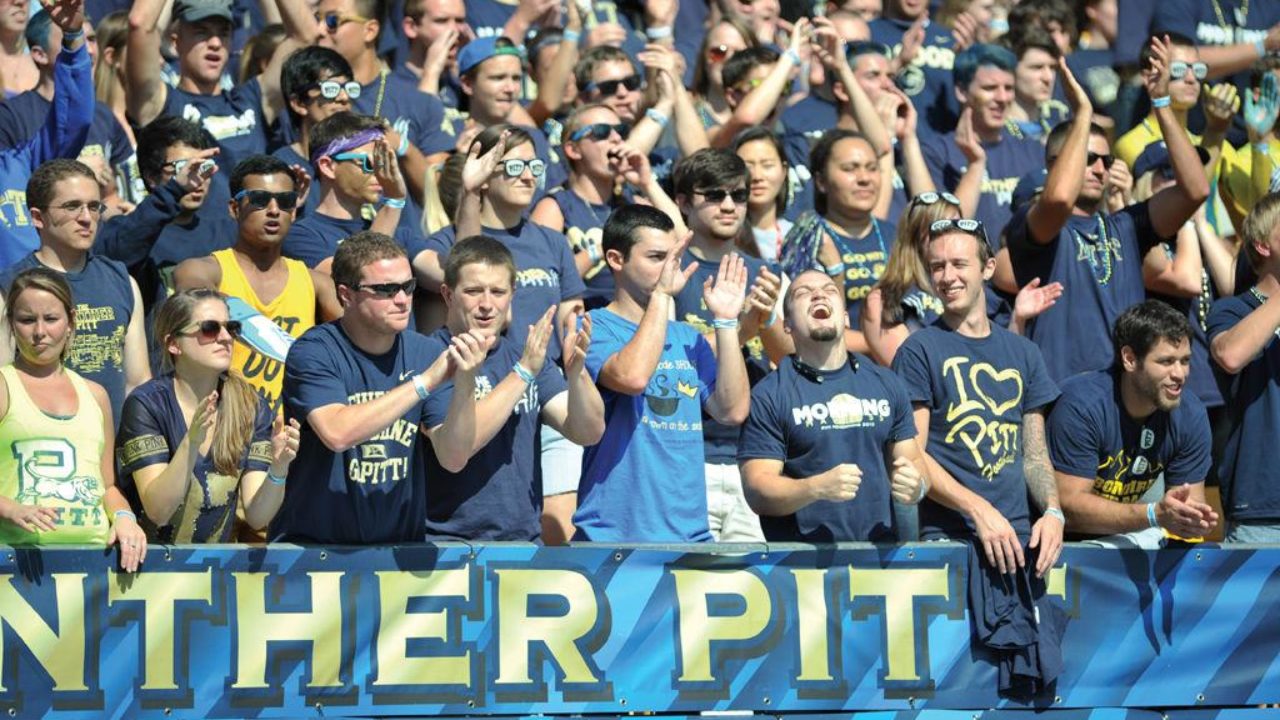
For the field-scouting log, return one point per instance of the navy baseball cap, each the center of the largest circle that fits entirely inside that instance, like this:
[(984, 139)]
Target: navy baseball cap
[(1028, 187), (481, 49), (197, 10), (1156, 157)]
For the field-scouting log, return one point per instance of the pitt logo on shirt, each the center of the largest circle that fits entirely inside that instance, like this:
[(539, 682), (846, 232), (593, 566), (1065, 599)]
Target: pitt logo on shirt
[(842, 411)]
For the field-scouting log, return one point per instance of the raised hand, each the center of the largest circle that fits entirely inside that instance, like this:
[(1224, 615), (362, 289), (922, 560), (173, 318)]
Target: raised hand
[(967, 138), (478, 168), (907, 483), (66, 14), (284, 445), (1077, 97), (827, 42), (198, 170), (301, 183), (386, 169), (672, 279), (1156, 76), (1120, 180), (631, 165), (908, 119), (575, 341), (726, 293), (438, 52), (535, 346), (1046, 535), (839, 484), (1221, 102), (467, 352), (1261, 107), (1033, 299), (606, 33), (966, 30), (763, 295), (202, 421), (912, 41)]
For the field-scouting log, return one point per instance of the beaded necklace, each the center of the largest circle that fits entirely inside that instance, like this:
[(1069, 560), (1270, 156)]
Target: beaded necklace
[(1241, 14), (1085, 241)]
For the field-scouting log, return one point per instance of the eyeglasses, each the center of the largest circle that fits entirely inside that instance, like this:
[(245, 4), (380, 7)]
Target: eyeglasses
[(1178, 69), (260, 199), (212, 329), (964, 225), (390, 290), (514, 168), (717, 196), (610, 87), (718, 53), (599, 131), (1107, 160), (931, 198), (75, 207), (364, 160), (330, 89), (333, 20)]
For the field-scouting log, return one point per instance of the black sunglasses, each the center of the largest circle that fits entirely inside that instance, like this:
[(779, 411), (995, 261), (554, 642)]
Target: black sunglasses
[(599, 131), (390, 290), (1107, 160), (717, 196), (610, 87), (260, 199), (211, 329)]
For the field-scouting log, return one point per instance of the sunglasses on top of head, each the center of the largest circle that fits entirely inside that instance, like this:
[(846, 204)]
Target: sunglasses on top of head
[(599, 131), (260, 199), (964, 225), (212, 329)]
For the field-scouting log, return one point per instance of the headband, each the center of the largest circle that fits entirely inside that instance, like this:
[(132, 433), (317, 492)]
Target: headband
[(351, 142)]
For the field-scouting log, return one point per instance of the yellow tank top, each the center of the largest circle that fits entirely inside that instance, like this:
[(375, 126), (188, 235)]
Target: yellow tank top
[(294, 310), (53, 462)]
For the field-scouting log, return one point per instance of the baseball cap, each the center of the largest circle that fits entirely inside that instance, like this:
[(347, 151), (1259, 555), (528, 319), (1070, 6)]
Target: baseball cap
[(481, 49), (197, 10), (1028, 187), (1156, 157)]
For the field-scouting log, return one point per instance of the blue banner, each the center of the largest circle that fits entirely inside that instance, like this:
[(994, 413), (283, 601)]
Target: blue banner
[(283, 631)]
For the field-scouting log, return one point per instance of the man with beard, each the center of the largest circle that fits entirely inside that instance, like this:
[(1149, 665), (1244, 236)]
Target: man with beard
[(830, 436), (1114, 433)]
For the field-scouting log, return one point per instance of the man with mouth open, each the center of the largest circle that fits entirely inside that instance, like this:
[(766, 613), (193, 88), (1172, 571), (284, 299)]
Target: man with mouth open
[(830, 436), (1114, 433)]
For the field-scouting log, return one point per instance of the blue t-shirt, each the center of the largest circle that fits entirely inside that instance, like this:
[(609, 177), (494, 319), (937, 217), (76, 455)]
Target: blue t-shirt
[(813, 420), (1247, 470), (316, 237), (498, 495), (1217, 22), (450, 96), (413, 113), (374, 492), (1098, 260), (583, 224), (1007, 161), (233, 117), (799, 187), (545, 273), (1091, 436), (104, 307), (1095, 71), (643, 482), (864, 260), (927, 80), (151, 429), (1204, 379), (977, 391), (721, 440)]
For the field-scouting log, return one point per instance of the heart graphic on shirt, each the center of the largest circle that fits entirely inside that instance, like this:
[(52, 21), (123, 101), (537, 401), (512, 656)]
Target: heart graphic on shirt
[(1000, 390)]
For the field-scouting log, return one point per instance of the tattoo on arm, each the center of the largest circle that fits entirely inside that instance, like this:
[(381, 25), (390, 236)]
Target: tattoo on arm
[(1035, 461)]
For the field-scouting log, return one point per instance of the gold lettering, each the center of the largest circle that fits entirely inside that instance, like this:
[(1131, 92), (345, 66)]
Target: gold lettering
[(158, 593), (811, 614), (559, 634), (256, 628), (61, 653), (398, 626), (899, 587), (698, 628)]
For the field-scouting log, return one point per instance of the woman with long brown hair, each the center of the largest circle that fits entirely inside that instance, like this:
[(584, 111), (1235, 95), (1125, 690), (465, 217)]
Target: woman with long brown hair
[(197, 441)]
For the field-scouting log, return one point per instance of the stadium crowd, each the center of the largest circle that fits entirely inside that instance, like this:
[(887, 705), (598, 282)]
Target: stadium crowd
[(357, 272)]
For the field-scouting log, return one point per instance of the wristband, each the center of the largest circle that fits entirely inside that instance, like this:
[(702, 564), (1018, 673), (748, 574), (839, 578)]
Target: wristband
[(657, 116), (1056, 513), (834, 270), (724, 324), (661, 32), (274, 479), (397, 203), (124, 513), (523, 372), (1160, 102), (420, 386), (570, 36), (1261, 46), (795, 56), (1262, 147), (1151, 515), (70, 37)]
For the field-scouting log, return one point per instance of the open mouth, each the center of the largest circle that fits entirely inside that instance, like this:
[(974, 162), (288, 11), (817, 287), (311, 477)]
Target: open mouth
[(820, 312)]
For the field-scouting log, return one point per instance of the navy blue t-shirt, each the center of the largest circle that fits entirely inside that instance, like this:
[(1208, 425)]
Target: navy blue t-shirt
[(977, 391), (374, 492), (545, 273), (1098, 260), (721, 440), (316, 237), (1007, 161), (413, 113), (813, 420), (1091, 436), (1095, 71), (234, 118), (104, 307), (864, 260), (799, 187), (498, 495), (1248, 468), (1217, 22), (584, 223), (151, 429), (927, 80), (1204, 377)]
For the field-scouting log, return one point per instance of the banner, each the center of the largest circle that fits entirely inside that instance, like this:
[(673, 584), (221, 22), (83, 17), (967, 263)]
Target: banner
[(282, 631)]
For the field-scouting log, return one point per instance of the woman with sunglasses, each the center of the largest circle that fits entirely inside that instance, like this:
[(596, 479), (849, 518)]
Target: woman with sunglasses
[(766, 160), (198, 442), (724, 39), (604, 173), (50, 412)]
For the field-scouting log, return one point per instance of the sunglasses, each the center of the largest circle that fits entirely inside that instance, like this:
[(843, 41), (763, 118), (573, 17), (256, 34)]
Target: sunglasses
[(599, 131), (333, 20), (330, 89), (964, 225), (514, 168), (1107, 160), (260, 199), (1178, 69), (365, 161), (717, 196), (212, 329), (931, 198), (610, 87), (718, 53), (390, 290)]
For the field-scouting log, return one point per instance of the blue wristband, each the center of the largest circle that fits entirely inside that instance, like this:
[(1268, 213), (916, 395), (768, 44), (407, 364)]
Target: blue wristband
[(1151, 515), (124, 513), (570, 36), (658, 117), (420, 386), (68, 37), (723, 324), (795, 56), (397, 203), (274, 479), (1261, 46), (1160, 102), (523, 372), (1056, 513)]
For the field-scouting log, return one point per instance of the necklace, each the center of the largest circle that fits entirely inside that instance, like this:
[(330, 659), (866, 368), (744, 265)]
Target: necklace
[(1085, 244), (1241, 14), (382, 89)]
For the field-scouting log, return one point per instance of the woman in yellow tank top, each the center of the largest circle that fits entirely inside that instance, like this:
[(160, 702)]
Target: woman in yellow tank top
[(57, 465)]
